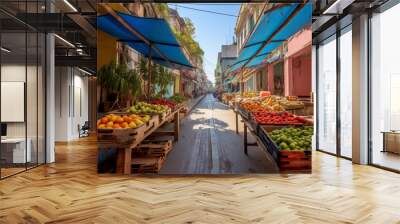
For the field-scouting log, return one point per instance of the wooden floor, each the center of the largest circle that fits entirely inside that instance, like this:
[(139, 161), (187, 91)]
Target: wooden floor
[(386, 159), (71, 191)]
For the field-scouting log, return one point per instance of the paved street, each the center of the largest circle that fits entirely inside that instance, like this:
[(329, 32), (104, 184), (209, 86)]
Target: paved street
[(209, 145)]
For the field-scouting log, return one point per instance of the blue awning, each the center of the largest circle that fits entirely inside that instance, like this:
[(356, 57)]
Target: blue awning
[(276, 26), (154, 30)]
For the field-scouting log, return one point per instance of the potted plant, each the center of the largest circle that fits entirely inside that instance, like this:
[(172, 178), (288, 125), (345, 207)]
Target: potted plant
[(122, 81)]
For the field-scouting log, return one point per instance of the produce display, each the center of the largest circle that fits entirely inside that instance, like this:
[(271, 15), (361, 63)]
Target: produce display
[(273, 118), (227, 97), (164, 102), (292, 98), (292, 104), (265, 93), (177, 99), (253, 107), (112, 121), (249, 94), (147, 108), (292, 138), (257, 104), (282, 103)]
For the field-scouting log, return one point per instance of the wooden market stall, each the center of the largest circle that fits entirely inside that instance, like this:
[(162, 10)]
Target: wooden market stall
[(269, 118), (137, 149)]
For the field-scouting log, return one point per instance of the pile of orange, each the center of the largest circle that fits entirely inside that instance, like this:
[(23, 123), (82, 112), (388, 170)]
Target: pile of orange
[(252, 106), (117, 121)]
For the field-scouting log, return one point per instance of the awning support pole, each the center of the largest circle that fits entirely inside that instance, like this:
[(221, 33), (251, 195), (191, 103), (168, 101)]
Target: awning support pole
[(241, 83)]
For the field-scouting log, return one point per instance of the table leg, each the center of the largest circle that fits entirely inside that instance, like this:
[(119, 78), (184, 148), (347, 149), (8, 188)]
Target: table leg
[(176, 126), (245, 138), (124, 161), (237, 122)]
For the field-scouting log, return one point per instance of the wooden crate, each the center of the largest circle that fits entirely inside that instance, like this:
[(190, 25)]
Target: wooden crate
[(152, 148), (119, 138), (147, 164), (287, 160), (244, 113), (163, 116), (151, 124), (295, 160)]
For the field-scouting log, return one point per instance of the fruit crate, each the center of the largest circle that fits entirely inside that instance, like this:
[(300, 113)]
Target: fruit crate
[(245, 114), (287, 160), (119, 138), (295, 160), (152, 123), (184, 110), (253, 124), (270, 145), (152, 148), (147, 164), (163, 116), (178, 106), (121, 112)]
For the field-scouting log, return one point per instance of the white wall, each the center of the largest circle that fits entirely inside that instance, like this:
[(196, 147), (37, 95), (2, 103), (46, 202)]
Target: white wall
[(71, 102), (34, 125), (16, 73)]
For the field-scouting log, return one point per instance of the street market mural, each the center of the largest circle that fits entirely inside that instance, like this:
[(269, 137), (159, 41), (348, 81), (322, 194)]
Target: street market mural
[(171, 103)]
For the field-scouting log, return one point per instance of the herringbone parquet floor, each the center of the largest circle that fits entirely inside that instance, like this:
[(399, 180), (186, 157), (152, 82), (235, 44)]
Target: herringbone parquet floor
[(71, 191)]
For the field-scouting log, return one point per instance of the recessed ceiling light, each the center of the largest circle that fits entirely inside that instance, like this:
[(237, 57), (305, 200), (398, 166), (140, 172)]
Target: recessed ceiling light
[(64, 40), (84, 71), (338, 6), (5, 50), (70, 5)]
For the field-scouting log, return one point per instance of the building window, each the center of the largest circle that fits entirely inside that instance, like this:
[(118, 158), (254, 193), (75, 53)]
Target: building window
[(346, 92), (327, 96), (385, 89), (279, 79), (263, 79)]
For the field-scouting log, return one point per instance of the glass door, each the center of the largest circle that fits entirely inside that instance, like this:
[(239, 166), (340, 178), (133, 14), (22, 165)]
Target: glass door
[(278, 79)]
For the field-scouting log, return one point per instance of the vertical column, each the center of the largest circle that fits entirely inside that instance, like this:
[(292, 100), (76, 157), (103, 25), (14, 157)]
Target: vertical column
[(50, 92), (287, 76), (360, 90), (92, 102), (50, 98), (314, 91)]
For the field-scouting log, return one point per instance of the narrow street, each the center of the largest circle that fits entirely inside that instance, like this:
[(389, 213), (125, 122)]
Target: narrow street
[(209, 145)]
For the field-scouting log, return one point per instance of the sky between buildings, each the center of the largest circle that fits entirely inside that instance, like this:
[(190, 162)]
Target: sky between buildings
[(212, 30)]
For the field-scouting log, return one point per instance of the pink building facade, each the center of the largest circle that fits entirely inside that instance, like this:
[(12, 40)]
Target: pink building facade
[(295, 67)]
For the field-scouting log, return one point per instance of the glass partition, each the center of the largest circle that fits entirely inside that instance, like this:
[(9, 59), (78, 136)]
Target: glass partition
[(15, 150), (22, 89)]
